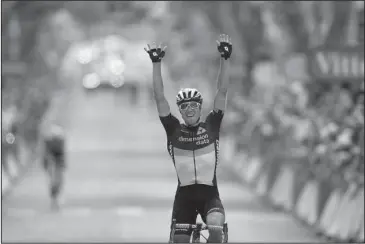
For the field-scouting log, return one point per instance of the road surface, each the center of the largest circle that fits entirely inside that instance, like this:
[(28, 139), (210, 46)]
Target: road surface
[(120, 185)]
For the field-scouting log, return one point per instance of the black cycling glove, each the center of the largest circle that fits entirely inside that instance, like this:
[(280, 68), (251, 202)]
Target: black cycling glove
[(156, 54), (225, 49)]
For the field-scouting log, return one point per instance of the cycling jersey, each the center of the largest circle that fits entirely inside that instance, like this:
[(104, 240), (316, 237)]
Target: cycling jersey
[(194, 150)]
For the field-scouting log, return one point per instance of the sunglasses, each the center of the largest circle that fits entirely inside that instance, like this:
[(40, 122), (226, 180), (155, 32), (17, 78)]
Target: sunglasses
[(193, 105)]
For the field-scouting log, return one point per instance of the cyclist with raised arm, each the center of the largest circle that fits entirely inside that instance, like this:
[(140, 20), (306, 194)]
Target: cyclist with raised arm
[(194, 146)]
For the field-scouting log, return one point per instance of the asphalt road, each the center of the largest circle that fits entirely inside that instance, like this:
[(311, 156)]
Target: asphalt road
[(120, 185)]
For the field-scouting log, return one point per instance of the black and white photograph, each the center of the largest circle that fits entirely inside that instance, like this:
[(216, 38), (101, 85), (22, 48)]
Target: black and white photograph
[(182, 121)]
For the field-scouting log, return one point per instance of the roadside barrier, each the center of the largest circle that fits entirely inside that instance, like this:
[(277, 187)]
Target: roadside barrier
[(313, 194)]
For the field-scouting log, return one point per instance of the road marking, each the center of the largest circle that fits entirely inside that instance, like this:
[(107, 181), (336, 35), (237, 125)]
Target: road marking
[(130, 211), (137, 211), (17, 212), (77, 211), (255, 216), (133, 211)]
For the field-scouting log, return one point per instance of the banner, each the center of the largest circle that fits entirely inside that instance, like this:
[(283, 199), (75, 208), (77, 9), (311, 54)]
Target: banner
[(337, 64)]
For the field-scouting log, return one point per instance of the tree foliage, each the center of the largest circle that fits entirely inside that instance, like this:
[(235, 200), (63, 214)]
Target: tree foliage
[(34, 88), (260, 30)]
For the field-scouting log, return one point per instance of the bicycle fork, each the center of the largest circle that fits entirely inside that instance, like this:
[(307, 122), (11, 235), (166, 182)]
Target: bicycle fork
[(196, 233)]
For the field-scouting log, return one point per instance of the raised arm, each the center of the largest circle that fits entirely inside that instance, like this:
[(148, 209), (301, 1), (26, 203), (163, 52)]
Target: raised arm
[(156, 55), (225, 48), (163, 106)]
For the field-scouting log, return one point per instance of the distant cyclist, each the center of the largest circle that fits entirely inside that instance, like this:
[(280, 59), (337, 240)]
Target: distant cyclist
[(194, 145), (53, 144)]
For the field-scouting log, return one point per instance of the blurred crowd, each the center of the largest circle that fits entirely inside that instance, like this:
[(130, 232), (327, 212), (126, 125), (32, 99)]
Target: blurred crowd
[(8, 136), (325, 125)]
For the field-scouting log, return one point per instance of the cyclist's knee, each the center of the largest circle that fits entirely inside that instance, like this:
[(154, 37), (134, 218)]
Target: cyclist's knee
[(216, 219), (181, 238)]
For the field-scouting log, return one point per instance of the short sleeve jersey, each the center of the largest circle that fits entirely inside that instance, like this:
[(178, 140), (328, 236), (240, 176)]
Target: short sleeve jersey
[(194, 150)]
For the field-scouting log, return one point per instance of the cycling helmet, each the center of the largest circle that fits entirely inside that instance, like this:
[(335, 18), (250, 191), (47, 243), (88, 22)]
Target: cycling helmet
[(187, 95)]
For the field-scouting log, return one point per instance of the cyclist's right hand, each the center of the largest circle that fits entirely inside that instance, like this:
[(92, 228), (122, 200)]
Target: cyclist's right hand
[(156, 52)]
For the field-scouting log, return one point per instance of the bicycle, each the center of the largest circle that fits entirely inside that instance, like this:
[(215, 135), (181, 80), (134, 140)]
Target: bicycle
[(196, 231)]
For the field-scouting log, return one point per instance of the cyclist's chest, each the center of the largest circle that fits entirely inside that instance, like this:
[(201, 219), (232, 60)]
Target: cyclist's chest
[(192, 139)]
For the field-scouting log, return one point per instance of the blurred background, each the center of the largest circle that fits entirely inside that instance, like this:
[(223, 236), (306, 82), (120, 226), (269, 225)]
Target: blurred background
[(297, 83)]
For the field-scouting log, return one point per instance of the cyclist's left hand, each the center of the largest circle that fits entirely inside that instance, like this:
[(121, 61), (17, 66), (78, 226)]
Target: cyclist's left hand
[(224, 45)]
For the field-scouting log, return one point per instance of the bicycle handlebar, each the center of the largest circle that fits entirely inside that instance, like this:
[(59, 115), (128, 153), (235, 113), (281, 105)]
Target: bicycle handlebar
[(196, 226)]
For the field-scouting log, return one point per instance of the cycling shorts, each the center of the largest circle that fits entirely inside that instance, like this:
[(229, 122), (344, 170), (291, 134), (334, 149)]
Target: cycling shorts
[(192, 200)]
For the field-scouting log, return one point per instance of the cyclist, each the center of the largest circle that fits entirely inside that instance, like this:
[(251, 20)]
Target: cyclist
[(53, 147), (194, 145)]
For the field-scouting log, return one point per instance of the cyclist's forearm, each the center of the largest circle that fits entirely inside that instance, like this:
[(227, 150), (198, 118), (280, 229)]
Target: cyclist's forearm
[(158, 88), (223, 75)]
